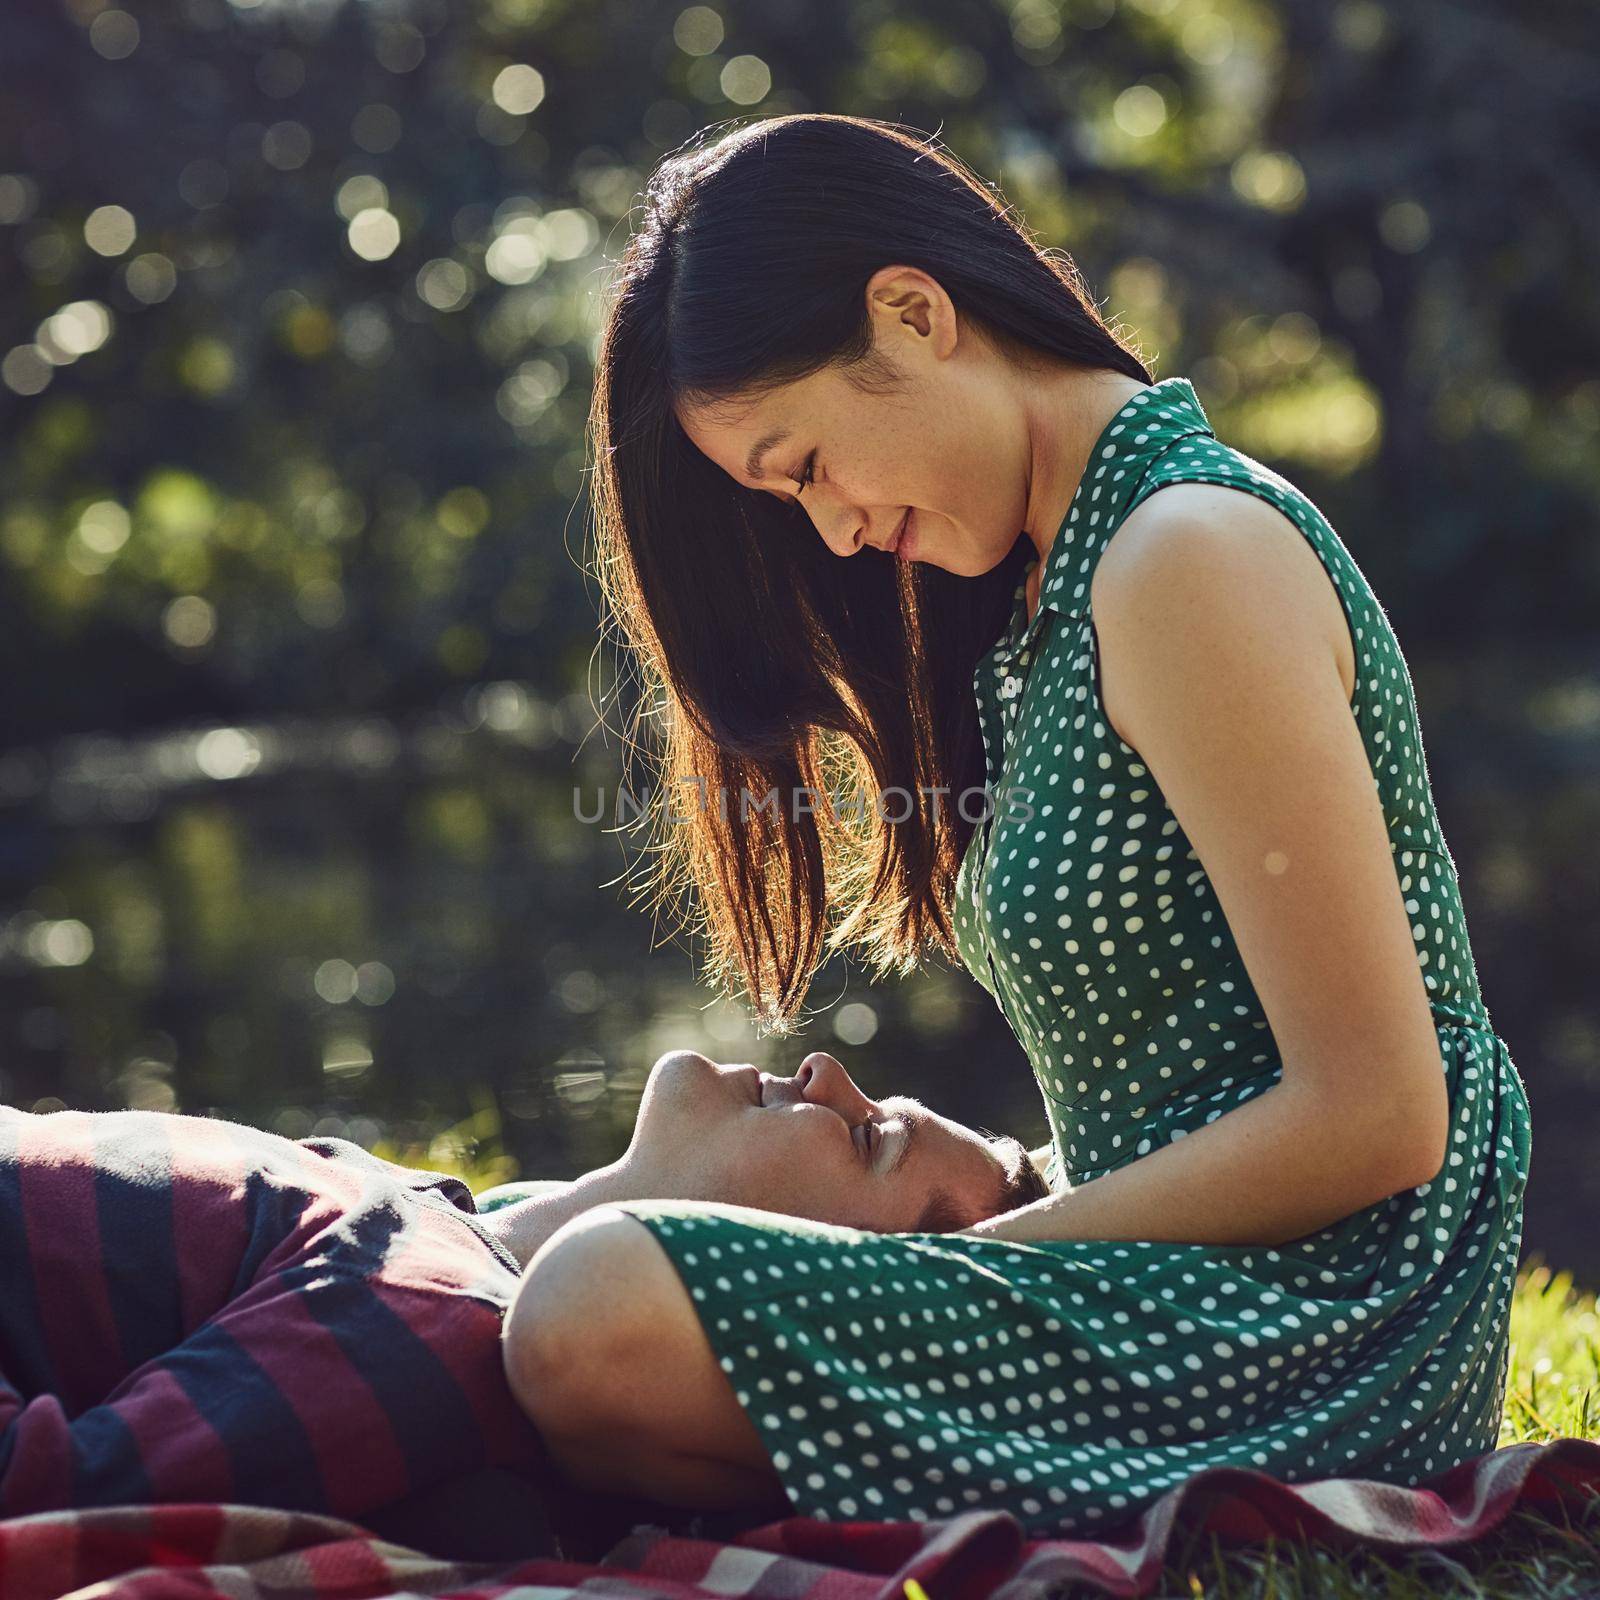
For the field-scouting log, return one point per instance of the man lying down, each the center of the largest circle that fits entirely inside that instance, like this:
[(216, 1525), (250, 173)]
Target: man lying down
[(193, 1309)]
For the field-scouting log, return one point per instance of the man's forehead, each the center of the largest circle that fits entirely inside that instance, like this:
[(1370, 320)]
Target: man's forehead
[(983, 1149), (925, 1118)]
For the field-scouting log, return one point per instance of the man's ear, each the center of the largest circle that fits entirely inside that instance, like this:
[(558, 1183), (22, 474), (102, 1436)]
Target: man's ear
[(944, 1214)]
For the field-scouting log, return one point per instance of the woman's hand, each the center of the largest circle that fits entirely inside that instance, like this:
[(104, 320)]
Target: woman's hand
[(1041, 1158)]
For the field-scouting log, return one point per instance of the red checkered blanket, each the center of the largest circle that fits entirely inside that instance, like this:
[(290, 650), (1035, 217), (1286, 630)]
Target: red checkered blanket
[(196, 1551)]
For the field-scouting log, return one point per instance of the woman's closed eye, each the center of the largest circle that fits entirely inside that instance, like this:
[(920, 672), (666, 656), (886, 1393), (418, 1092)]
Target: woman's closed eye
[(808, 473)]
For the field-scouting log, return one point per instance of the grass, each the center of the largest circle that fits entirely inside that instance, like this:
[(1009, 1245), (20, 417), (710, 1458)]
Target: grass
[(1552, 1391)]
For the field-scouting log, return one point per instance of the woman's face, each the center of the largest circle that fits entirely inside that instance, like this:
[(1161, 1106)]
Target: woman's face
[(951, 447), (812, 1145)]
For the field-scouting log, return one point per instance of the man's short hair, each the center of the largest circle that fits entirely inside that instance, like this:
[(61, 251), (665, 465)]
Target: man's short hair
[(1021, 1185)]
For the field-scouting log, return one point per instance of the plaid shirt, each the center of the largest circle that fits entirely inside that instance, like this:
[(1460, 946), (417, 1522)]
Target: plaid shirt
[(193, 1309)]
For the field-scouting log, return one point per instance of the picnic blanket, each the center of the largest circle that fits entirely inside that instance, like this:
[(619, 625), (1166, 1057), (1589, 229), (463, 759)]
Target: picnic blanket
[(196, 1551)]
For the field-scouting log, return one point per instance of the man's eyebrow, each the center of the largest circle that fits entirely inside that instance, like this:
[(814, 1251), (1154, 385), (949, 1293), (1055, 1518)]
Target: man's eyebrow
[(914, 1114), (752, 463)]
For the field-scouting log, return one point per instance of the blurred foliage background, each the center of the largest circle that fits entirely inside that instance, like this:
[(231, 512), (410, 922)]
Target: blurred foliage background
[(297, 306)]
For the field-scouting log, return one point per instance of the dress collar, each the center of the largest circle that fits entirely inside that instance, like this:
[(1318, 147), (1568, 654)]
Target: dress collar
[(1165, 411)]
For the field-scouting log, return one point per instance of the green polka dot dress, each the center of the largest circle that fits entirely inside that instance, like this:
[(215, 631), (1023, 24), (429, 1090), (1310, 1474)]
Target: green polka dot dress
[(916, 1376)]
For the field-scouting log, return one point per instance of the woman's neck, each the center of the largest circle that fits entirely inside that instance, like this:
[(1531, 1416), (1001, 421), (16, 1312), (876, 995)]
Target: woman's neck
[(1063, 418)]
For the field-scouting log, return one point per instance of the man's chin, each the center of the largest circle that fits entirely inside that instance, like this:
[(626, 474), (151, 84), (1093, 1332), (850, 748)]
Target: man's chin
[(645, 1180), (648, 1172)]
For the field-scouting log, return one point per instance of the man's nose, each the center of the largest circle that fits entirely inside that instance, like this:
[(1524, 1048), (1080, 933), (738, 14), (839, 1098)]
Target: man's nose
[(816, 1064), (823, 1077)]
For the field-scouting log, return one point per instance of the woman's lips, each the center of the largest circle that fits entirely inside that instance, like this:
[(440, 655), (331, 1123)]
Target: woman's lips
[(903, 536)]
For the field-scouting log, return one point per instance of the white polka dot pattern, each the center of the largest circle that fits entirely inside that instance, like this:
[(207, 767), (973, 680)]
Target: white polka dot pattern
[(914, 1376)]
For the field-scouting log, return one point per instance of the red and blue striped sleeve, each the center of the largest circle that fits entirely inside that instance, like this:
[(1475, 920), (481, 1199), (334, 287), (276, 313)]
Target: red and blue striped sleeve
[(199, 1310)]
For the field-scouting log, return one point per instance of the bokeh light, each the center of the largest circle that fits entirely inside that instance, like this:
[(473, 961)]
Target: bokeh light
[(203, 183), (109, 230), (189, 622), (518, 89), (150, 277), (360, 193), (226, 753), (114, 34), (698, 30), (376, 128), (286, 145), (374, 233), (19, 196), (25, 369), (444, 284), (517, 254), (1140, 110), (746, 80), (75, 330)]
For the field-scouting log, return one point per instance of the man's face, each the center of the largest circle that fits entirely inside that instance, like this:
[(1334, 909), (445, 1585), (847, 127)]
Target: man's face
[(812, 1145)]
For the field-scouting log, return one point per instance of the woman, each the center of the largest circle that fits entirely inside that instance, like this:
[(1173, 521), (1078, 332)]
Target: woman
[(1288, 1148)]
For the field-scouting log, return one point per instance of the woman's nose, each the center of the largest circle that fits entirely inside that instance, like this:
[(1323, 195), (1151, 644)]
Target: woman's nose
[(841, 534)]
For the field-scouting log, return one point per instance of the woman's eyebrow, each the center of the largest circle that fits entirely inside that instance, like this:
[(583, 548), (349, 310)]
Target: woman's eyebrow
[(752, 464)]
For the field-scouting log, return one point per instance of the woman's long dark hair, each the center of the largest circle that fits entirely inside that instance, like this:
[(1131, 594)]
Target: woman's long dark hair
[(773, 669)]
